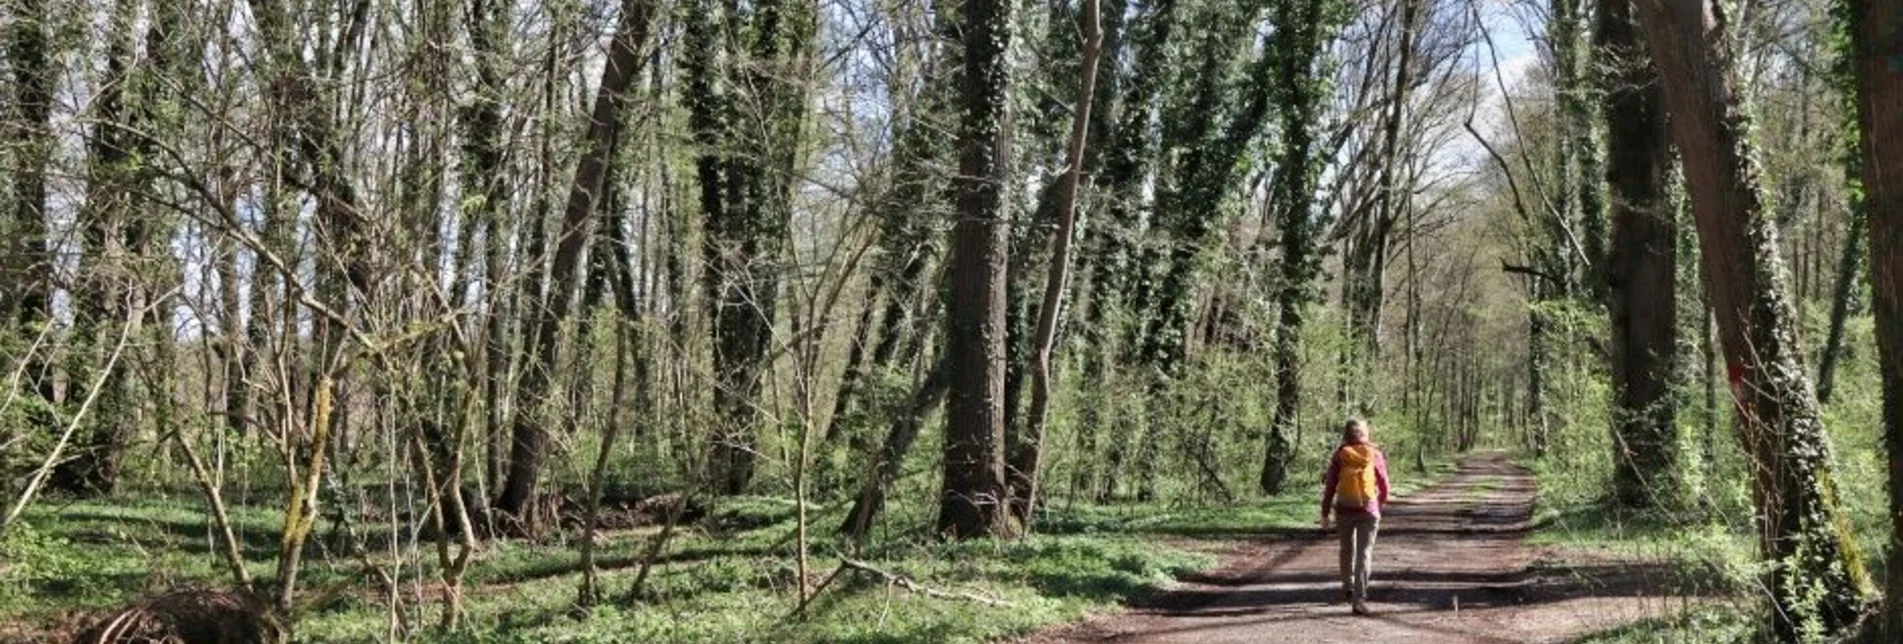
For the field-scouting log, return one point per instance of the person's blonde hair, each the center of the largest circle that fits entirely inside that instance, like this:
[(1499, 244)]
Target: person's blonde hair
[(1354, 429)]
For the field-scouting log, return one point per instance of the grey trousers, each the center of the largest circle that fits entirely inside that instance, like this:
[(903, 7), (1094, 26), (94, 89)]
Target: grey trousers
[(1357, 532)]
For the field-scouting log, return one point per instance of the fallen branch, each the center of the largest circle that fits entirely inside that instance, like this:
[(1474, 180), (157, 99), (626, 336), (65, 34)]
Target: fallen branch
[(895, 579)]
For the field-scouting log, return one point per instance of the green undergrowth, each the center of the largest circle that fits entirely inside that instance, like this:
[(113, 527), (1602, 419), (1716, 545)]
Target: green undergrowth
[(729, 577), (1695, 625), (1700, 551), (995, 589)]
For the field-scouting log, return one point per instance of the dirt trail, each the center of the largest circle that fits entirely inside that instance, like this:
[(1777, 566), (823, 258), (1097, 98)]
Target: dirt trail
[(1451, 566)]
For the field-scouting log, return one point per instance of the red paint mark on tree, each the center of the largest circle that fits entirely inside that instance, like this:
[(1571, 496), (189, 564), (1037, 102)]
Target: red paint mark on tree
[(1734, 374)]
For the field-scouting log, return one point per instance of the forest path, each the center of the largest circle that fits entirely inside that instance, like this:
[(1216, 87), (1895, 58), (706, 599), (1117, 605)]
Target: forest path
[(1451, 566)]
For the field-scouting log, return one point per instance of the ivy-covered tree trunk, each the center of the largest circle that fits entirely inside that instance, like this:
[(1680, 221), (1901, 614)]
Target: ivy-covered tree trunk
[(482, 139), (1206, 150), (909, 210), (747, 108), (1027, 449), (1129, 156), (1306, 26), (1817, 579), (1580, 114), (1642, 270), (1876, 37), (96, 319), (26, 270), (971, 503)]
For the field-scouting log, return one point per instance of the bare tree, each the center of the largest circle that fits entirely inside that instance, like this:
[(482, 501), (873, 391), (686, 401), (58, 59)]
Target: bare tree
[(529, 445)]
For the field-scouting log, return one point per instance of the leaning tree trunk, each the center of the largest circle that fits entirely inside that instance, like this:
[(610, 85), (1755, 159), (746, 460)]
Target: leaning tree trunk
[(529, 439), (1849, 263), (971, 504), (1877, 51), (1817, 576), (1642, 271), (883, 467), (1026, 455)]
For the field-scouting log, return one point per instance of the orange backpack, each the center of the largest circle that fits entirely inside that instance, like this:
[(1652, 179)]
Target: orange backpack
[(1354, 482)]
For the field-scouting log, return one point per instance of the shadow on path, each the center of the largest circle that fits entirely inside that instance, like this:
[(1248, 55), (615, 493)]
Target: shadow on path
[(1451, 566)]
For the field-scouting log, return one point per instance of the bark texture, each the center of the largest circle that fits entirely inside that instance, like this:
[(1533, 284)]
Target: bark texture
[(1641, 274), (1817, 578), (1877, 45), (972, 502)]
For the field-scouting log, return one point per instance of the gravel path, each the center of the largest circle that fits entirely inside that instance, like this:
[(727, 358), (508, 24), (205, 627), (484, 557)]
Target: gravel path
[(1451, 566)]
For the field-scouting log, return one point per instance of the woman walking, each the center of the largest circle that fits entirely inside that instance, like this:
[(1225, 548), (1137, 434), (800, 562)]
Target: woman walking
[(1355, 488)]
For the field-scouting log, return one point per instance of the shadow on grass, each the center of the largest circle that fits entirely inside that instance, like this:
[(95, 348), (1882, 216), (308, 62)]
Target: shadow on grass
[(90, 524)]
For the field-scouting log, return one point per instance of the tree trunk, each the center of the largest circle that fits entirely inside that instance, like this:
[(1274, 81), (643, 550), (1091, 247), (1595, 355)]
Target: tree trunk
[(1128, 156), (1642, 270), (1368, 262), (1293, 203), (747, 112), (1877, 44), (109, 293), (884, 467), (971, 504), (1848, 266), (529, 439), (26, 269), (1817, 576), (481, 120), (1024, 460)]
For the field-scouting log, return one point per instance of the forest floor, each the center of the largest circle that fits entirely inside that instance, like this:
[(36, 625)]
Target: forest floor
[(1452, 565)]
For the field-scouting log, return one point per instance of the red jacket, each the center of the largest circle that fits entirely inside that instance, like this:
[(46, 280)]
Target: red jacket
[(1334, 472)]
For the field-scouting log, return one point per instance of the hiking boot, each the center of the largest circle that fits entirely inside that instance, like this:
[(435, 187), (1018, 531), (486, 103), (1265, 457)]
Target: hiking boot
[(1361, 609)]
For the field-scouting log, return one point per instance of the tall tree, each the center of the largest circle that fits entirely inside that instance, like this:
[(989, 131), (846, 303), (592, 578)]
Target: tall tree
[(1129, 158), (27, 266), (116, 243), (1303, 27), (747, 105), (1026, 451), (529, 444), (972, 501), (1365, 262), (1642, 271), (487, 195), (1876, 44), (1816, 577), (909, 210)]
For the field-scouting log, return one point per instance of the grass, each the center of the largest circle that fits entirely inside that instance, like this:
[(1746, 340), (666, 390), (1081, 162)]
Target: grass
[(1710, 551), (727, 578), (1701, 623)]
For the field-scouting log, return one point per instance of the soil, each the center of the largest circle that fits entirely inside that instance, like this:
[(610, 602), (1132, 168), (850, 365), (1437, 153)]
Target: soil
[(1451, 567)]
